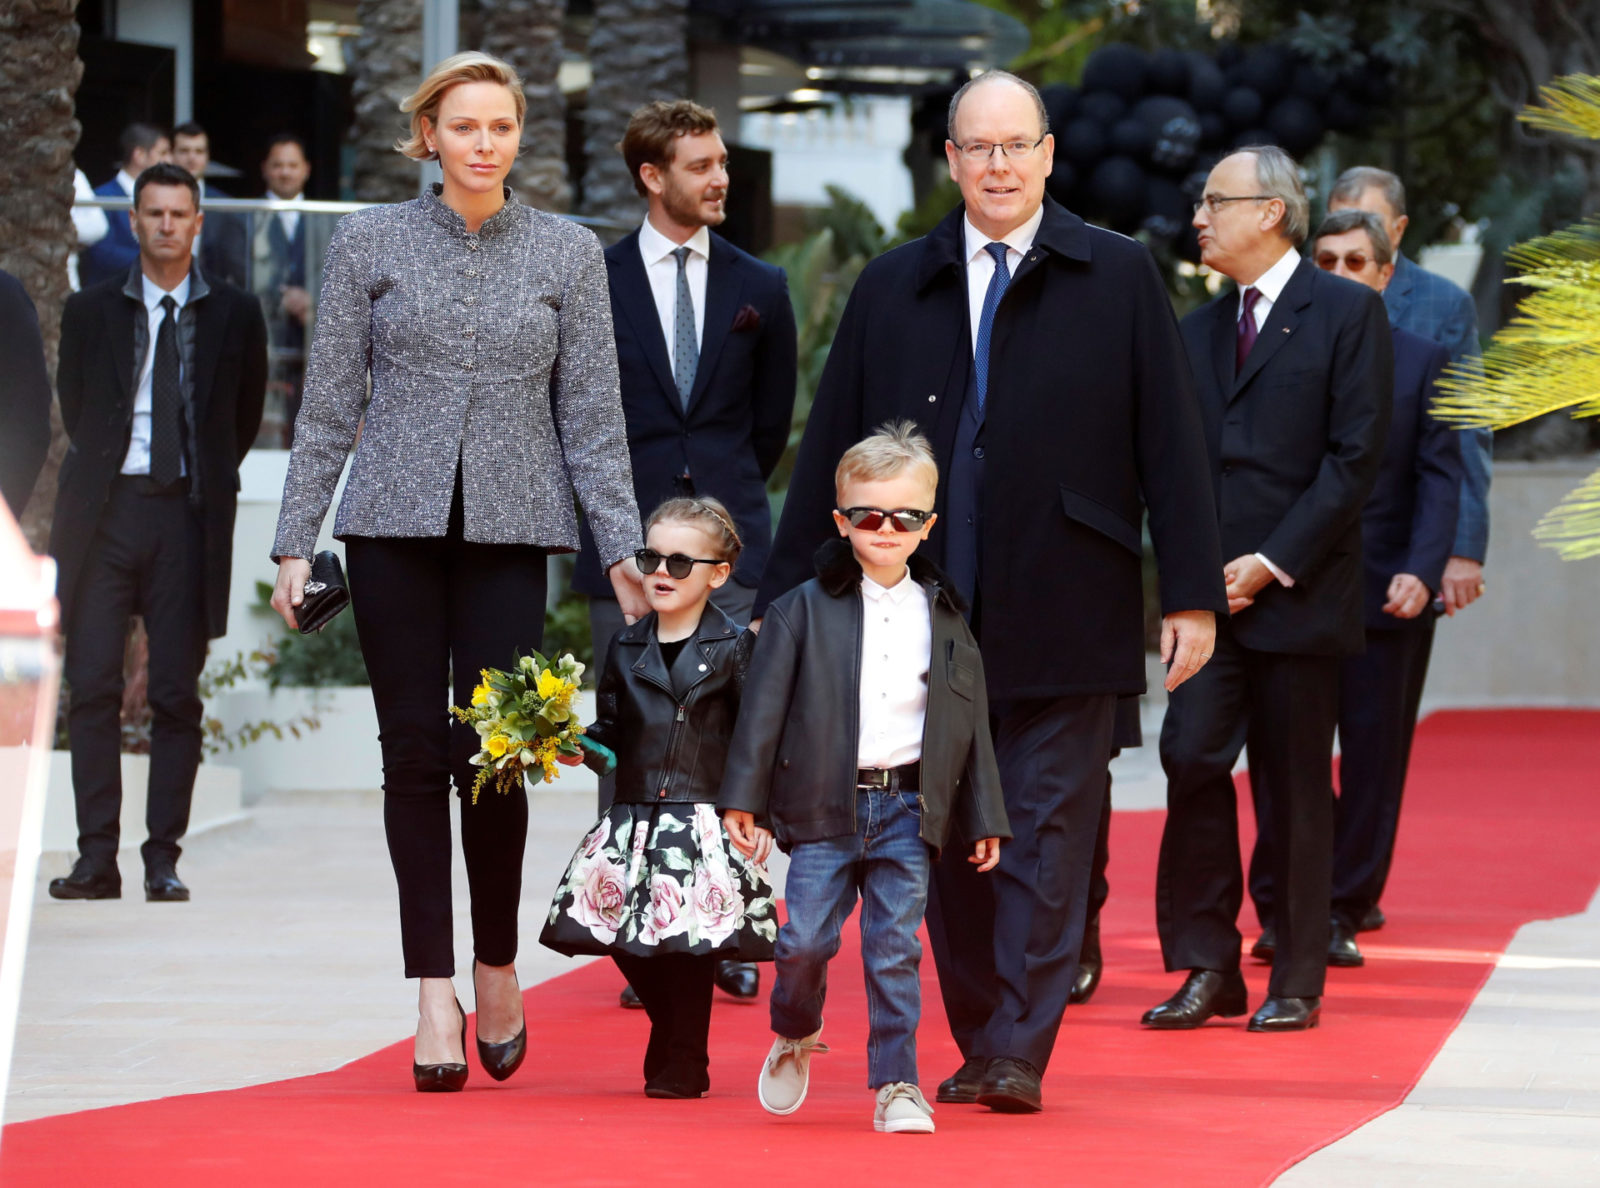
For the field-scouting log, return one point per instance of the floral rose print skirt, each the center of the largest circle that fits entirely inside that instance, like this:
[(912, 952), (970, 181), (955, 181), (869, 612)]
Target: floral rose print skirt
[(662, 878)]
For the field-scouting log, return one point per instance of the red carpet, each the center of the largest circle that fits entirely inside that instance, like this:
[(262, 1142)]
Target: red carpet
[(1499, 830)]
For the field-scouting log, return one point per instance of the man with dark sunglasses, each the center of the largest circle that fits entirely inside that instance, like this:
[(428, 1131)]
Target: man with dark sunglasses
[(1041, 357)]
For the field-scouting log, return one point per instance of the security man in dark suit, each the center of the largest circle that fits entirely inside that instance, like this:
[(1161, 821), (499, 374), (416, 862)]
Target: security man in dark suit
[(1042, 359), (1408, 526), (706, 350), (162, 379), (24, 395), (1295, 371)]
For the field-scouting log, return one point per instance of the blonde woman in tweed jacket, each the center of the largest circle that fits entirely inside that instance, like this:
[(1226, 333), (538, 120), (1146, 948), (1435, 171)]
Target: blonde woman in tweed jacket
[(485, 328)]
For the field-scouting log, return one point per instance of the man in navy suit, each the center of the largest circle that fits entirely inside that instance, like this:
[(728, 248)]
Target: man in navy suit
[(278, 276), (224, 247), (1295, 371), (1408, 533), (143, 145), (706, 349)]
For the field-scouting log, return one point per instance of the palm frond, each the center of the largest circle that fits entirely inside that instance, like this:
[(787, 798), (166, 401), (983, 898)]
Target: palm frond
[(1572, 527), (1571, 107)]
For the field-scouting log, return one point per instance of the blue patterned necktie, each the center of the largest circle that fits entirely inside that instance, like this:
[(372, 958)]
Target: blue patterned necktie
[(685, 346), (991, 302)]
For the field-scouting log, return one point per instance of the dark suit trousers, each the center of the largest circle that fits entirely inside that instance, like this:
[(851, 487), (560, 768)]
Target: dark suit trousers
[(146, 560), (1006, 943), (1286, 707), (1380, 694), (430, 613)]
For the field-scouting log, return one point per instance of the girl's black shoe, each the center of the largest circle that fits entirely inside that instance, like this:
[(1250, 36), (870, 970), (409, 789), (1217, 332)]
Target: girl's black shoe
[(443, 1078), (501, 1060)]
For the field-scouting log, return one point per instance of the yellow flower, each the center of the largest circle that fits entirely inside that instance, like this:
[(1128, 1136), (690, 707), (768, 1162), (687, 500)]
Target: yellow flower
[(480, 695), (496, 745), (549, 684)]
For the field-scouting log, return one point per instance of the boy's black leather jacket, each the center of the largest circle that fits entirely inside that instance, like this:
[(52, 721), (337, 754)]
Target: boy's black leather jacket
[(671, 731), (793, 760)]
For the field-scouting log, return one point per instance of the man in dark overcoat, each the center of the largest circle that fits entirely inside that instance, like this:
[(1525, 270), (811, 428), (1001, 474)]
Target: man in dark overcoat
[(1041, 357), (162, 379)]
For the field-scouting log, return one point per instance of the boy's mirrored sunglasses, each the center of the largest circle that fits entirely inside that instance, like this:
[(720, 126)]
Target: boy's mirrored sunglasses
[(870, 519), (678, 565)]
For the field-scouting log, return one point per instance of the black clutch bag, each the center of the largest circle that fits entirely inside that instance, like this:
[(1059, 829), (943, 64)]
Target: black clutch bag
[(325, 594)]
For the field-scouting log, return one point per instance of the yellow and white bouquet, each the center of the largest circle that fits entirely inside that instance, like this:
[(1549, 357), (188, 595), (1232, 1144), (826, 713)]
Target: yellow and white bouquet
[(525, 719)]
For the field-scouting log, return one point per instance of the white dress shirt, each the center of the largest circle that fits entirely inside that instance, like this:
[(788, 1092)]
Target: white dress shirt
[(125, 181), (289, 219), (896, 649), (137, 459), (1270, 287), (662, 268), (980, 264)]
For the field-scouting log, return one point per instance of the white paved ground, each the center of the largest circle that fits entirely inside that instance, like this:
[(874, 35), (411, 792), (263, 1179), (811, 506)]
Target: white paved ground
[(287, 963)]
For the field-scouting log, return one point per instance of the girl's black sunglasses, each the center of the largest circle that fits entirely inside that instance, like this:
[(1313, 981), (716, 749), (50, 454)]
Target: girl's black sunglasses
[(870, 519), (678, 565)]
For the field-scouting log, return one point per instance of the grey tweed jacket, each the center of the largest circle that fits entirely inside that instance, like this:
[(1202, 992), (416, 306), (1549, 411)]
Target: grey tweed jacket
[(495, 348)]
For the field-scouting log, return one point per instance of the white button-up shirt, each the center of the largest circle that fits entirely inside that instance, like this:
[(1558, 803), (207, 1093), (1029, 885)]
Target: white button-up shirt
[(1270, 287), (896, 649), (662, 269), (137, 459), (288, 219), (980, 264)]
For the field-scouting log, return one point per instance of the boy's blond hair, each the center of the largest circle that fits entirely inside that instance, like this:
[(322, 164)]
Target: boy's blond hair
[(896, 446)]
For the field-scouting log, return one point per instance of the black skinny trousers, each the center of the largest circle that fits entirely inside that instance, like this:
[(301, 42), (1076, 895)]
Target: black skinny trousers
[(428, 610)]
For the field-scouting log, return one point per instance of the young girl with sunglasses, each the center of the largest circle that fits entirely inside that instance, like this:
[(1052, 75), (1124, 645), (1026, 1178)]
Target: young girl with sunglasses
[(656, 885)]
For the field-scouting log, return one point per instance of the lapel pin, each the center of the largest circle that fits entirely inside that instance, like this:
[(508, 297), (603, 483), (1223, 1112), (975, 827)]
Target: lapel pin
[(1286, 329)]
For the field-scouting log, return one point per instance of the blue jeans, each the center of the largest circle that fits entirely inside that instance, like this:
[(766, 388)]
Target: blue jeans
[(886, 862)]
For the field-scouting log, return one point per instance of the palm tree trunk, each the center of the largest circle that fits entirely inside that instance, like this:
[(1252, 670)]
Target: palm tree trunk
[(39, 75), (387, 66), (638, 51), (527, 34)]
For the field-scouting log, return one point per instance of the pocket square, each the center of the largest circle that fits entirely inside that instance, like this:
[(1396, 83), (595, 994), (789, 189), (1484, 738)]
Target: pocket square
[(748, 318)]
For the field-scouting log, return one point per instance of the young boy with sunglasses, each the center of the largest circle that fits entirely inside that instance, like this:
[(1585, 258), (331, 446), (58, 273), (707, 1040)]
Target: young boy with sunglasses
[(863, 737)]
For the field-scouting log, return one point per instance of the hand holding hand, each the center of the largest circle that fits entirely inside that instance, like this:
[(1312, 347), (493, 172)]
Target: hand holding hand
[(985, 853), (628, 585), (1408, 595), (1246, 577), (569, 760), (1187, 638), (289, 592), (742, 831), (1462, 584)]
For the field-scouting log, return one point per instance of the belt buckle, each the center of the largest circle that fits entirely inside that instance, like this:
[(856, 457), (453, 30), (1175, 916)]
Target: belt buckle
[(880, 777)]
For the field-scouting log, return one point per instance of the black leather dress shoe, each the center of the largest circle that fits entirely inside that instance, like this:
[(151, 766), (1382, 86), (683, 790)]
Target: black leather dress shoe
[(629, 999), (1089, 966), (1011, 1086), (1373, 920), (1266, 944), (1342, 948), (1204, 993), (1287, 1014), (738, 979), (162, 885), (961, 1087), (88, 880)]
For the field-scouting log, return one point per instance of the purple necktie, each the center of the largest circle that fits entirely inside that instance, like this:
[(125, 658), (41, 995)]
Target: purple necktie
[(1247, 329)]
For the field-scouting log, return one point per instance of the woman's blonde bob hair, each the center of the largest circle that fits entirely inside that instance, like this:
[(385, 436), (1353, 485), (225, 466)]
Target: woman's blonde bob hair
[(469, 67)]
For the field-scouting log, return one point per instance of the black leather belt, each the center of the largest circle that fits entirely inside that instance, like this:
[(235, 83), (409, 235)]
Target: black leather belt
[(892, 779), (143, 484)]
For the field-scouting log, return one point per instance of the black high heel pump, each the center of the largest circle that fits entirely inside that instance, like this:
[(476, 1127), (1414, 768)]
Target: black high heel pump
[(443, 1078), (500, 1060)]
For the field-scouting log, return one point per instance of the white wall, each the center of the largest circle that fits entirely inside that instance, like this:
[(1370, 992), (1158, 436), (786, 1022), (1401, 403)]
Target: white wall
[(856, 146), (167, 23)]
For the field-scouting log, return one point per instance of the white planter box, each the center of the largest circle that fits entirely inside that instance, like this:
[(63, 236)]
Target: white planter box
[(341, 755), (217, 801)]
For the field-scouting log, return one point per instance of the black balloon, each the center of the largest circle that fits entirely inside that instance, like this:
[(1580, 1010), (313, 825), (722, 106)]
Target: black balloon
[(1213, 129), (1131, 137), (1229, 55), (1254, 136), (1176, 129), (1083, 141), (1117, 188), (1242, 107), (1296, 125), (1343, 113), (1167, 72), (1102, 106), (1208, 87), (1063, 180), (1118, 68), (1311, 82), (1167, 210), (1188, 245), (1267, 70), (1060, 102)]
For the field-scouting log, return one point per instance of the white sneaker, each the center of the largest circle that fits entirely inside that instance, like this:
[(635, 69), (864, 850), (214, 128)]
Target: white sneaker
[(787, 1073), (902, 1109)]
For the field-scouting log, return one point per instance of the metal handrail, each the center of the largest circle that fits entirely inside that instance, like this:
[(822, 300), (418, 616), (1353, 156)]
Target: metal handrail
[(303, 206)]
